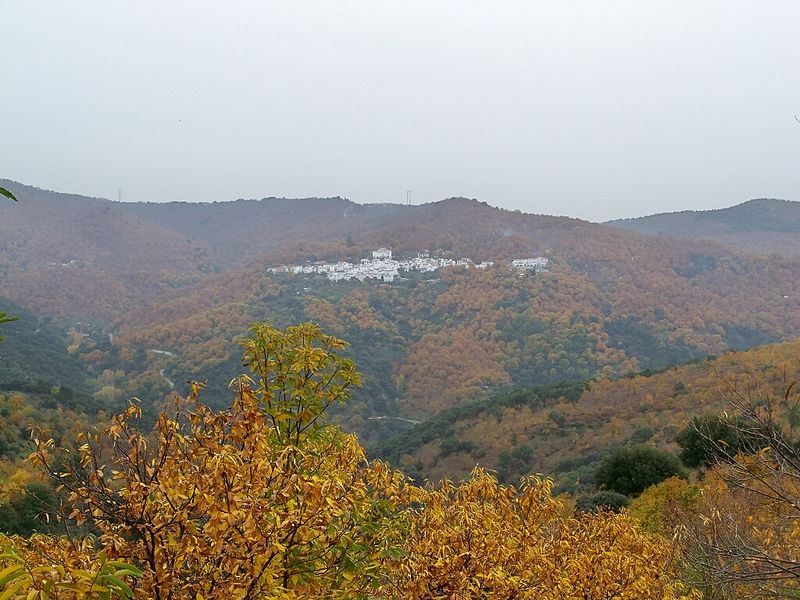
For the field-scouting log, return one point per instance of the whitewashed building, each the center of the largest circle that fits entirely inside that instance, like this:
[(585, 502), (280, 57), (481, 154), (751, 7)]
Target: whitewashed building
[(538, 263), (380, 267), (382, 253)]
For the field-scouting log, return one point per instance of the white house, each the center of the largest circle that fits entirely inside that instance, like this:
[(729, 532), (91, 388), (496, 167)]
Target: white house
[(383, 267), (528, 264), (382, 253)]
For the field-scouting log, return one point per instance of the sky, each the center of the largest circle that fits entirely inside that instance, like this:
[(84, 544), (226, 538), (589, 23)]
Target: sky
[(596, 110)]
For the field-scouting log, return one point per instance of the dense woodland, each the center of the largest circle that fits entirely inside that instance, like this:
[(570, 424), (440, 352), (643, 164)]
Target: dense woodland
[(760, 226), (263, 499), (620, 425)]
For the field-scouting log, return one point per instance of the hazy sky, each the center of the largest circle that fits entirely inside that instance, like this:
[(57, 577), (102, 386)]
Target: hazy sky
[(590, 109)]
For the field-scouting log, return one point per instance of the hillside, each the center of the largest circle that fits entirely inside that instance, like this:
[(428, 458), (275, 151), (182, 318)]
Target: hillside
[(566, 429), (71, 256), (34, 355), (760, 226), (611, 303), (428, 343)]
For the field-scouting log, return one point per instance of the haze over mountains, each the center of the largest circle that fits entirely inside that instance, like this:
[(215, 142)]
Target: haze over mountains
[(149, 295), (760, 226)]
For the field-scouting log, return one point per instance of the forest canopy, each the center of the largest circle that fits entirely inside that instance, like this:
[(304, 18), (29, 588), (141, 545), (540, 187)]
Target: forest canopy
[(263, 499)]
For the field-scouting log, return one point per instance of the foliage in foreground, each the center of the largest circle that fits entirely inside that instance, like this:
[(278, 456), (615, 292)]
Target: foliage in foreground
[(480, 539), (741, 534), (263, 501)]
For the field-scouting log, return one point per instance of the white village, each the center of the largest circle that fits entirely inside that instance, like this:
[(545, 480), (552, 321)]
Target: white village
[(382, 266)]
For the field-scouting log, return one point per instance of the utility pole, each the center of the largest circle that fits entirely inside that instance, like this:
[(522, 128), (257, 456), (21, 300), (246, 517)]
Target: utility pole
[(119, 194), (408, 197)]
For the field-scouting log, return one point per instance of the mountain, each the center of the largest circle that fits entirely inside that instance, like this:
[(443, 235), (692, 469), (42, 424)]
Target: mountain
[(761, 226), (152, 295), (566, 429), (71, 256)]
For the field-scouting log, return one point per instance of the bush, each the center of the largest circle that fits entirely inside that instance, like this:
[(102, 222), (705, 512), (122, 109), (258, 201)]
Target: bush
[(710, 439), (653, 509), (602, 500), (631, 470)]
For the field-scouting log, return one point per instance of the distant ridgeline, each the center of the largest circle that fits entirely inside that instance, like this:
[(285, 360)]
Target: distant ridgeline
[(384, 267)]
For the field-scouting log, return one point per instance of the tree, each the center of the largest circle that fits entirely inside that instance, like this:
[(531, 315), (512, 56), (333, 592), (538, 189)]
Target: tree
[(631, 470), (741, 538), (655, 508), (47, 567), (480, 539), (255, 501), (603, 500), (26, 512), (710, 439)]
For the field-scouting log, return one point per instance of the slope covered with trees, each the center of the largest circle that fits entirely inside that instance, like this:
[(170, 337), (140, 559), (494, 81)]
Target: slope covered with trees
[(71, 256), (567, 429), (262, 500), (428, 343), (762, 226), (158, 294)]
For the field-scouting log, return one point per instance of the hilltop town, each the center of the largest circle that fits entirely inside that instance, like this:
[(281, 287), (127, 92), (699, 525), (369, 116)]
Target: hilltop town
[(382, 266)]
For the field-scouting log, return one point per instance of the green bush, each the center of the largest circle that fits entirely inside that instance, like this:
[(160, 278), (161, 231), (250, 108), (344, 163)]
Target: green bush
[(710, 439), (631, 470), (602, 500)]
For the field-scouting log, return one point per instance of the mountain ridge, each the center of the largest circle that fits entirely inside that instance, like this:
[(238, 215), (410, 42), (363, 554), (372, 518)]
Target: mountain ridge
[(612, 301), (760, 225)]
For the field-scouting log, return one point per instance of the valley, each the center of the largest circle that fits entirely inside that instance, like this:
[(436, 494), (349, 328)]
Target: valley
[(612, 303), (601, 344)]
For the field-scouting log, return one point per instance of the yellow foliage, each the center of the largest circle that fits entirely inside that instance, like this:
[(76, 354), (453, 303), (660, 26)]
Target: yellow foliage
[(261, 501), (481, 539), (256, 501), (45, 567), (741, 538), (654, 507)]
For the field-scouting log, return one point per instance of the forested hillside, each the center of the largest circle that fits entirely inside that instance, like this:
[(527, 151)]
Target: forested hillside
[(75, 257), (262, 500), (762, 226), (567, 429), (149, 296), (36, 355), (267, 474), (427, 343)]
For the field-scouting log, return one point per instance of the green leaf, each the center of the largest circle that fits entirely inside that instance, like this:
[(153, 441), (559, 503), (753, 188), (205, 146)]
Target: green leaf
[(113, 582), (4, 318), (12, 590), (119, 564), (11, 573), (7, 194)]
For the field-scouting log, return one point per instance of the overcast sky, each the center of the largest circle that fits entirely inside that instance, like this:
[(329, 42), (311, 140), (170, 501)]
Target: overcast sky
[(590, 109)]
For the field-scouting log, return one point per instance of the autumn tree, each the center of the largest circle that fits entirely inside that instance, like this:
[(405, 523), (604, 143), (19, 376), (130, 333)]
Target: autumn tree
[(741, 538), (256, 501), (50, 567), (481, 539)]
